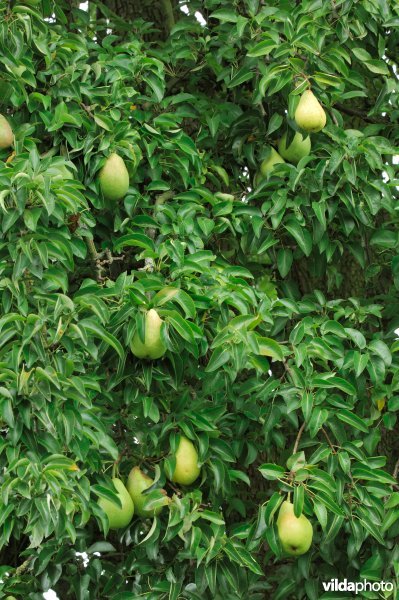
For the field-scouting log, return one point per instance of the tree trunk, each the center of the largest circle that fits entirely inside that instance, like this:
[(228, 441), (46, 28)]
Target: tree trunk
[(162, 13)]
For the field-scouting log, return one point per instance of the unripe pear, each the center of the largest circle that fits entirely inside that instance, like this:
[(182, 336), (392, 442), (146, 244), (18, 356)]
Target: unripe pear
[(137, 483), (295, 533), (310, 115), (267, 165), (118, 517), (298, 148), (187, 469), (114, 178), (153, 347), (6, 134)]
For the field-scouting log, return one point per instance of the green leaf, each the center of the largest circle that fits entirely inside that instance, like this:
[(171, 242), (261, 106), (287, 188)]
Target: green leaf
[(98, 331), (301, 236), (351, 419), (272, 471), (262, 48), (225, 15), (284, 261), (269, 347), (237, 553)]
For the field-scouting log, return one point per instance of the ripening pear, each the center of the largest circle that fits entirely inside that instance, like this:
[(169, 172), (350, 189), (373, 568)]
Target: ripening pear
[(118, 517), (6, 134), (114, 178), (299, 147), (267, 165), (137, 482), (187, 469), (153, 347), (295, 533), (310, 115)]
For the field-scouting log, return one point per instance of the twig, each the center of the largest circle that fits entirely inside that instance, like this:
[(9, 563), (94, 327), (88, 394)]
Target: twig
[(288, 368), (396, 470), (358, 113), (24, 567), (95, 258), (87, 109), (334, 118), (328, 440), (298, 438)]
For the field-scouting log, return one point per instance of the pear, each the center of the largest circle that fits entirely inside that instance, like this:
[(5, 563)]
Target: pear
[(310, 115), (267, 165), (114, 178), (153, 347), (187, 469), (137, 482), (118, 517), (6, 134), (298, 148), (295, 533)]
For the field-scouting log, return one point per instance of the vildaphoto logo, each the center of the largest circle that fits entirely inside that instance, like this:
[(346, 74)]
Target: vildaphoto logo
[(334, 585)]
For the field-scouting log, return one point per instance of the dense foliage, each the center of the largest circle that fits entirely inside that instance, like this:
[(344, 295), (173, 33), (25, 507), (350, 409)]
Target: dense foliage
[(279, 297)]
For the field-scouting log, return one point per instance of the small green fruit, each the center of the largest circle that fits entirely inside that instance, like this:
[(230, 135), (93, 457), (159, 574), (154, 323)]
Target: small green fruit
[(6, 134), (118, 517), (136, 484), (310, 115), (153, 347), (295, 533), (267, 165), (187, 469), (298, 148), (114, 178), (10, 598)]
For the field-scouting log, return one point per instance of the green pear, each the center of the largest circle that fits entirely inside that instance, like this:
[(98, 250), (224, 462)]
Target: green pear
[(114, 178), (118, 516), (137, 482), (10, 598), (187, 469), (298, 148), (267, 165), (6, 134), (153, 347), (295, 533), (310, 115)]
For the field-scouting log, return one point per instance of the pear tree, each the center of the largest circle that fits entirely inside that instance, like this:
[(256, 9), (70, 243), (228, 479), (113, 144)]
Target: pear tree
[(199, 276)]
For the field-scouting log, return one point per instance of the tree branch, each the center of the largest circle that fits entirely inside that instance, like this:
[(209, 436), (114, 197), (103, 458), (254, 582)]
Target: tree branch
[(353, 112), (298, 438)]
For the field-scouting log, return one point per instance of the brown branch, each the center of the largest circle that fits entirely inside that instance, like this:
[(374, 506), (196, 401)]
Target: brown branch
[(169, 16), (334, 118), (95, 258), (353, 112), (396, 469), (328, 440), (298, 438)]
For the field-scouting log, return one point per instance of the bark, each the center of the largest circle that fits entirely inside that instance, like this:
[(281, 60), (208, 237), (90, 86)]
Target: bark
[(162, 13)]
